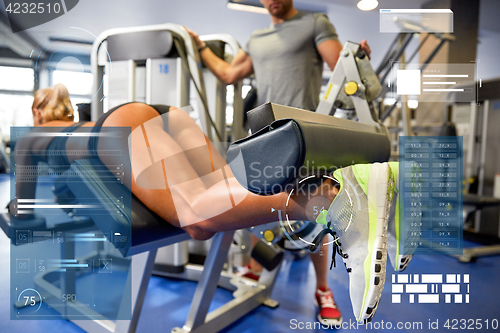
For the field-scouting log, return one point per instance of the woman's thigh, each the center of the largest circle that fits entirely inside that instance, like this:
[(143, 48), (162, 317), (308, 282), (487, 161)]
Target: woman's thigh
[(162, 157)]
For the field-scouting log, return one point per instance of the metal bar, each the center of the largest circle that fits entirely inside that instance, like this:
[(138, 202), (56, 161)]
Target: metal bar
[(247, 298), (131, 80), (149, 81), (405, 112), (194, 62), (227, 39), (69, 40), (388, 55), (334, 85), (220, 111), (352, 74), (419, 47), (484, 137), (434, 52), (95, 326), (388, 113), (208, 283), (183, 85), (140, 273), (480, 251), (232, 311), (237, 128), (470, 145), (97, 71), (193, 272), (404, 44)]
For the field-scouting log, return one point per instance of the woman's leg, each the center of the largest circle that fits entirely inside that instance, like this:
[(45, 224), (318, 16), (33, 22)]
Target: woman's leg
[(158, 198), (178, 194), (202, 155)]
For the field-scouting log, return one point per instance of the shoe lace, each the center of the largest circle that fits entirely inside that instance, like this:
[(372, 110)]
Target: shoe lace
[(336, 245), (326, 300)]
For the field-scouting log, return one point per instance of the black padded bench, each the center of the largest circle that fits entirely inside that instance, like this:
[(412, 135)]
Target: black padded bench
[(147, 229)]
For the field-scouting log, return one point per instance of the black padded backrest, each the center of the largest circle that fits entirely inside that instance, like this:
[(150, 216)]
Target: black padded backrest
[(270, 160), (265, 162), (92, 181)]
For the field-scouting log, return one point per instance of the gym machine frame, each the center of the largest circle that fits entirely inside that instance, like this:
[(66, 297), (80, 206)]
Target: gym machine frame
[(248, 294)]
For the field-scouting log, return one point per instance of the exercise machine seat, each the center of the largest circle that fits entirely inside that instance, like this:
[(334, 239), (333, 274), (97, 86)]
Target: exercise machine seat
[(288, 143)]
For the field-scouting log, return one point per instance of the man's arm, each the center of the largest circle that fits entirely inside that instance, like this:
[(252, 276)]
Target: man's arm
[(330, 49), (239, 68)]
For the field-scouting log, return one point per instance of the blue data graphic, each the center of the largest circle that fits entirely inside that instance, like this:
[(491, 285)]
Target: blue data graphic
[(70, 226), (430, 193)]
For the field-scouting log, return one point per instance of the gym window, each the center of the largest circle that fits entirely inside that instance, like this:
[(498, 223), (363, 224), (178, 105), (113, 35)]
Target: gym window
[(16, 94), (17, 79)]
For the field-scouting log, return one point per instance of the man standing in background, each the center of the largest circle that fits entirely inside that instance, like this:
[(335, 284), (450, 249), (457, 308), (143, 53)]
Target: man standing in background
[(287, 59)]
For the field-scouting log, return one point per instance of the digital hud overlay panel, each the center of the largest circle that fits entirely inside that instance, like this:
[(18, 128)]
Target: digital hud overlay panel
[(70, 224), (416, 20), (435, 82), (430, 194)]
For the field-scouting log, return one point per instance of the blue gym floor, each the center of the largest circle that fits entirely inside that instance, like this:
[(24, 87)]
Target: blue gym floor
[(167, 301)]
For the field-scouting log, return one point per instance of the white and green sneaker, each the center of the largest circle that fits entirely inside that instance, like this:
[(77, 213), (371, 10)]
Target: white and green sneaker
[(358, 219), (401, 242)]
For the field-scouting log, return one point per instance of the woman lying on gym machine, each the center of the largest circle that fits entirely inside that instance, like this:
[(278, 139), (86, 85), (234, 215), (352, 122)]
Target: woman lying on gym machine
[(178, 174)]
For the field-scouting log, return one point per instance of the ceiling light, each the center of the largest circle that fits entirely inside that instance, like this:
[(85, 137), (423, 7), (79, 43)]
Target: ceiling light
[(412, 103), (367, 4)]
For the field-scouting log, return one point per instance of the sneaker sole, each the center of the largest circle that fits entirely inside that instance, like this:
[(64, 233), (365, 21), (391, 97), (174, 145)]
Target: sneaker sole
[(380, 192), (330, 322), (404, 260)]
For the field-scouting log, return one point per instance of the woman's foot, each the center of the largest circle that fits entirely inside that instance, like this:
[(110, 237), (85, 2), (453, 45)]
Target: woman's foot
[(401, 242), (358, 219)]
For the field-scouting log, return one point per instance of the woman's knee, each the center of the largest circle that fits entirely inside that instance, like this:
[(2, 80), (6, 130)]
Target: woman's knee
[(198, 233)]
